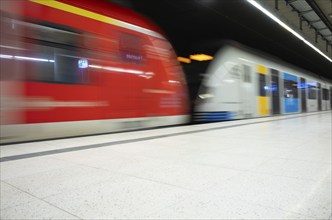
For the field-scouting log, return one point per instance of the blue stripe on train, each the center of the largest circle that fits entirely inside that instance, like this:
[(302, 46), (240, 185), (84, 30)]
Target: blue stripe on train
[(214, 116), (290, 77), (291, 105)]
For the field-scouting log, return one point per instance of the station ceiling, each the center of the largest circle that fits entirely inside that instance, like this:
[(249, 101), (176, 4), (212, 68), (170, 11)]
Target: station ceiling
[(187, 23)]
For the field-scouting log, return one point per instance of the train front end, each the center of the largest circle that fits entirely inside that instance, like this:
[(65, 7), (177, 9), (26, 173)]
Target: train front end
[(78, 67)]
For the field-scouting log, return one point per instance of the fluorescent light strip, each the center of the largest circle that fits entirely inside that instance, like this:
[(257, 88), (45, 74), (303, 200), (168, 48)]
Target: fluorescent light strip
[(30, 58), (258, 6), (6, 56), (116, 69)]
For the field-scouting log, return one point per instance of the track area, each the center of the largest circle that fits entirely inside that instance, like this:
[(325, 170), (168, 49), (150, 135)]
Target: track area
[(265, 168)]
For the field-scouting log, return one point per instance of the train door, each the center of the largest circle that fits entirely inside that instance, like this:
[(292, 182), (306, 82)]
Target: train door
[(319, 96), (325, 99), (263, 96), (12, 109), (330, 97), (11, 86), (247, 92), (291, 100), (131, 60), (275, 91), (303, 94), (312, 96)]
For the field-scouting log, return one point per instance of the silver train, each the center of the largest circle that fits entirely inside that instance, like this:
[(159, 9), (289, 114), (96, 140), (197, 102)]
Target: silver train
[(241, 83)]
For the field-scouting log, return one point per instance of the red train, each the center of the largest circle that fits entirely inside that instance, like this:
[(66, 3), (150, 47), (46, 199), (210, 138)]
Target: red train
[(78, 67)]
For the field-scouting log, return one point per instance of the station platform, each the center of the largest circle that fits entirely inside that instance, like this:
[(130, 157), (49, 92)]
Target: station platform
[(264, 168)]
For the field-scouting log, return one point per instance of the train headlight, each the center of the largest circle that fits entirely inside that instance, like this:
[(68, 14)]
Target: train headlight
[(206, 96)]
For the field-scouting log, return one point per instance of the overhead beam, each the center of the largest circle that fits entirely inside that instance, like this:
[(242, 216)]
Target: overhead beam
[(327, 46), (305, 12), (321, 29), (314, 22), (290, 1), (276, 4), (319, 12)]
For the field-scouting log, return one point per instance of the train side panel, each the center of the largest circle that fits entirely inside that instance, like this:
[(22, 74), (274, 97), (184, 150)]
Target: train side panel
[(78, 71), (219, 96), (243, 85)]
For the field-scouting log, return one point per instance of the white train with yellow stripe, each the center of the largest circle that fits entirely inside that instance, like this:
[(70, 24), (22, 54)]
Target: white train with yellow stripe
[(241, 83)]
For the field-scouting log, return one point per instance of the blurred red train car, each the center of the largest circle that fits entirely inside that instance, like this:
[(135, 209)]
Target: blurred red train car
[(78, 67)]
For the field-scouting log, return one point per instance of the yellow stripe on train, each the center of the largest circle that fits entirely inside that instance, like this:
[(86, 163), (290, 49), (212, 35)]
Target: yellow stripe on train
[(263, 105), (261, 69), (77, 11), (95, 16)]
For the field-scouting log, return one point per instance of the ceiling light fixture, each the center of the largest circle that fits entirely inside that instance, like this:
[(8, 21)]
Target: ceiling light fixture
[(201, 57), (184, 60), (266, 12)]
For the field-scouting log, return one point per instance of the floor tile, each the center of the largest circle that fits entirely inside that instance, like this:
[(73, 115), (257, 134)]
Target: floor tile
[(36, 209), (275, 191), (23, 167), (52, 182), (132, 198), (11, 196), (296, 168), (189, 176), (213, 207)]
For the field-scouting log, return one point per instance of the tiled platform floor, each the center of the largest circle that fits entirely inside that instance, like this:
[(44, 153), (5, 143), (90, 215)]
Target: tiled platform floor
[(267, 168)]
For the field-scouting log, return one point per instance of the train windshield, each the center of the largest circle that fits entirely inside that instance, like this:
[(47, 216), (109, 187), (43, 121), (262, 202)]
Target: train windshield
[(195, 73)]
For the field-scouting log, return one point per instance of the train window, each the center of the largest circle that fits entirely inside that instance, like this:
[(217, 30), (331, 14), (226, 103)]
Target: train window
[(42, 68), (53, 35), (97, 43), (71, 69), (51, 54), (290, 86), (45, 33), (246, 73), (331, 97), (319, 96), (130, 48), (10, 46), (326, 94), (275, 82), (262, 85), (312, 92)]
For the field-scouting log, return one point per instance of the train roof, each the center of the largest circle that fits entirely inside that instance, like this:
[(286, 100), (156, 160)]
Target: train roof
[(112, 10), (102, 9), (217, 46)]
